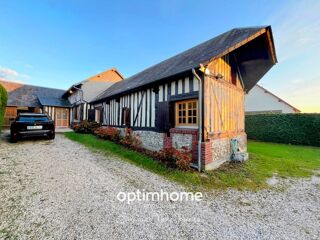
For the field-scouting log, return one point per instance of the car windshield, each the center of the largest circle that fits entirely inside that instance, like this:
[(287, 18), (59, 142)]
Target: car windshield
[(32, 119)]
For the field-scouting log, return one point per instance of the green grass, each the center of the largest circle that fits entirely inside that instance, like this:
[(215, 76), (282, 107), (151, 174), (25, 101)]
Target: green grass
[(266, 159)]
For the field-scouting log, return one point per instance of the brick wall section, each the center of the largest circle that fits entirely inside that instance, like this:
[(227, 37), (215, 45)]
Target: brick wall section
[(206, 152), (206, 147), (195, 147), (167, 141), (193, 132)]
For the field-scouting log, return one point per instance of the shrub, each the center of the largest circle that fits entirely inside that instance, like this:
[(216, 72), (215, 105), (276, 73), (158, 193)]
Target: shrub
[(166, 156), (109, 133), (183, 159), (86, 127), (3, 103), (173, 157), (300, 129), (131, 141)]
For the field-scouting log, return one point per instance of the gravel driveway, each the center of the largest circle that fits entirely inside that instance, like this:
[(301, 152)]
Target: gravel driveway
[(61, 190)]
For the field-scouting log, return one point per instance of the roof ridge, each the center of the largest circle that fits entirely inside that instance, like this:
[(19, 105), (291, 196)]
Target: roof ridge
[(31, 85), (163, 61), (202, 43), (182, 61)]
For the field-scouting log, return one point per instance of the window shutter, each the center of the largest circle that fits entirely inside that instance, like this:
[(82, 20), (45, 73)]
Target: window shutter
[(162, 121), (172, 113), (126, 116), (91, 115), (81, 112), (101, 115)]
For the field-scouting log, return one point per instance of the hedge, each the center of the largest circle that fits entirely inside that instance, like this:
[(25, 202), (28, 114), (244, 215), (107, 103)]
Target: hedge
[(298, 129), (3, 103)]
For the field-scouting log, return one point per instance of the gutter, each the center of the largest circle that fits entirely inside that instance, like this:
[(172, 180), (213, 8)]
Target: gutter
[(199, 117)]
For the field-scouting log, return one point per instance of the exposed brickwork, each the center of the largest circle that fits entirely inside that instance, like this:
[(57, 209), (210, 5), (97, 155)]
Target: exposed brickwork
[(206, 152), (195, 147), (194, 144), (184, 131), (167, 141), (221, 149)]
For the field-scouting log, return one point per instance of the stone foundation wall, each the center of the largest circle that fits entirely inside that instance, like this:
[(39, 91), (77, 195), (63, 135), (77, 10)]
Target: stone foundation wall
[(150, 140), (214, 151), (221, 150), (181, 140), (122, 131), (185, 138)]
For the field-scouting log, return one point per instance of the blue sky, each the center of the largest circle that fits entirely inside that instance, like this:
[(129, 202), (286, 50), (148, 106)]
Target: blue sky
[(57, 43)]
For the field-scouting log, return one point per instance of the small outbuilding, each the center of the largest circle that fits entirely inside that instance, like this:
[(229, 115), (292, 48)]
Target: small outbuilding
[(24, 98), (65, 107), (194, 99)]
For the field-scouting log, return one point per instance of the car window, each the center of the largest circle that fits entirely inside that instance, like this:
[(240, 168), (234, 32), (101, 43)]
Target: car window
[(32, 119)]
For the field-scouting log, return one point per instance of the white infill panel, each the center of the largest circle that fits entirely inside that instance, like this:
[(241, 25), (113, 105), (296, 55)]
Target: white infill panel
[(195, 84), (166, 92), (186, 85), (135, 108), (120, 115), (180, 86), (160, 93), (173, 88), (143, 120), (131, 109), (153, 109), (148, 107)]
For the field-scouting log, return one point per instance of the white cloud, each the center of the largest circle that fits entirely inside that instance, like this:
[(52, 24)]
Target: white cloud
[(12, 75)]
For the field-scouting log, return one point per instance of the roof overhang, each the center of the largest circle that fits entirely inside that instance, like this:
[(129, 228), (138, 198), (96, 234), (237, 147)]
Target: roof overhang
[(251, 48), (72, 89), (254, 56)]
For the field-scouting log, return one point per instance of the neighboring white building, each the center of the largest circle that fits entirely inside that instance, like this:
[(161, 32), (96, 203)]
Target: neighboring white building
[(80, 94), (259, 100)]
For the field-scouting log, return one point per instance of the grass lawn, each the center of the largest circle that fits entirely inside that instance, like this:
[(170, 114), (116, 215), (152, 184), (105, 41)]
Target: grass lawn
[(266, 159)]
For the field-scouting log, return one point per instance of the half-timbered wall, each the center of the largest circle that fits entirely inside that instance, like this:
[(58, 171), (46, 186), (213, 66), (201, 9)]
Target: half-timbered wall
[(143, 104), (9, 116), (142, 109), (227, 69), (178, 88), (223, 101), (50, 111)]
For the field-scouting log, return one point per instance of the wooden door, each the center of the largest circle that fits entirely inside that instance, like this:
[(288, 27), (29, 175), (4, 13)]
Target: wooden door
[(10, 115), (62, 117)]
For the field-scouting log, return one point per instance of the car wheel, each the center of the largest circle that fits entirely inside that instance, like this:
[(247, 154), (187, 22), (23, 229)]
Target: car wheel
[(51, 136), (13, 139)]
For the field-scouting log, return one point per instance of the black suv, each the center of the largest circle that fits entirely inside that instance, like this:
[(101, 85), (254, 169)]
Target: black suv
[(32, 125)]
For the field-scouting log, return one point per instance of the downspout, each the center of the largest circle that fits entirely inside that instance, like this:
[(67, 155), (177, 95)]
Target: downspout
[(199, 117)]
